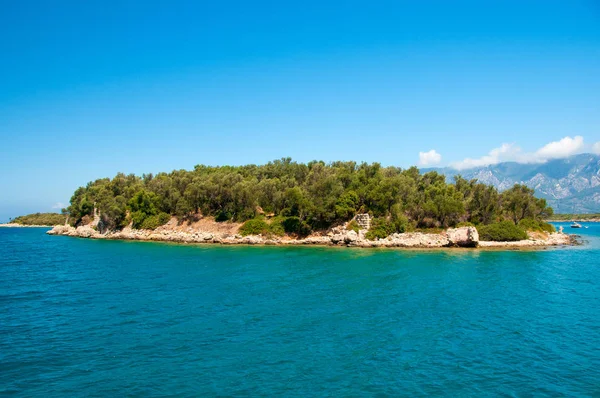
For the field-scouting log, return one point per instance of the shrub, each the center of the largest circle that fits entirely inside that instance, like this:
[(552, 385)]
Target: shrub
[(276, 226), (377, 232), (245, 215), (353, 226), (154, 222), (294, 225), (529, 224), (547, 227), (164, 218), (399, 222), (256, 226), (138, 217), (382, 228), (504, 231), (222, 216), (465, 224)]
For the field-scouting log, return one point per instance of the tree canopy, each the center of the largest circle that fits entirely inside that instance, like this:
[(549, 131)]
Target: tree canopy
[(316, 194)]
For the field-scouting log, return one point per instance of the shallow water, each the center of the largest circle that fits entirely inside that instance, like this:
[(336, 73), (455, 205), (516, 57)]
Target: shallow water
[(103, 318)]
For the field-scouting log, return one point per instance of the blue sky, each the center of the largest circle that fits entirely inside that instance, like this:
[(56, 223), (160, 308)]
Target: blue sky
[(88, 89)]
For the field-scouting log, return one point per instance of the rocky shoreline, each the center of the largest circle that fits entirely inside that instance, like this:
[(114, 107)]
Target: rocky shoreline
[(457, 237)]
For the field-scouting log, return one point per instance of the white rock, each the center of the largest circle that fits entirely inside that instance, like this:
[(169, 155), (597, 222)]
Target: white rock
[(463, 237)]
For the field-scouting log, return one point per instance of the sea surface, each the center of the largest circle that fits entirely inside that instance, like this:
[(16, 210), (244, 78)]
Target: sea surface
[(107, 318)]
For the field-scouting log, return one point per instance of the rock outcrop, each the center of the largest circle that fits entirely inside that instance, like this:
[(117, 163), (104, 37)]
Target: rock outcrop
[(463, 237), (553, 239), (339, 236)]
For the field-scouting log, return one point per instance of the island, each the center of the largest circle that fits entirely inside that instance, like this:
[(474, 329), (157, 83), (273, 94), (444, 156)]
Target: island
[(37, 220), (288, 203)]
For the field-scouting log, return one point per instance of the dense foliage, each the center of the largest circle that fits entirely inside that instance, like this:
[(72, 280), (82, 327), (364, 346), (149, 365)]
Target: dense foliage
[(504, 231), (385, 226), (294, 225), (255, 226), (529, 224), (41, 219), (353, 226), (303, 197)]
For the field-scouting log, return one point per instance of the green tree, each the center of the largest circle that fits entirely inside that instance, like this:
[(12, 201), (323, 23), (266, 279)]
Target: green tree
[(346, 206), (519, 203), (317, 193)]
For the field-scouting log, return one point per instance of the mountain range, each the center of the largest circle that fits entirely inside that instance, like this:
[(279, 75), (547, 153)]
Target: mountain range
[(570, 185)]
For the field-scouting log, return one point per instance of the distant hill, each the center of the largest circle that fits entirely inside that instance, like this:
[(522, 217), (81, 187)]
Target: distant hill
[(570, 185), (49, 219)]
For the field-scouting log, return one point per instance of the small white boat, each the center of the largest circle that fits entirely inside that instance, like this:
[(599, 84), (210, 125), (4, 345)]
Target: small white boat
[(575, 225)]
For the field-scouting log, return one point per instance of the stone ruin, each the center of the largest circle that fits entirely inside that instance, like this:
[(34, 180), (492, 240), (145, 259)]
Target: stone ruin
[(363, 220)]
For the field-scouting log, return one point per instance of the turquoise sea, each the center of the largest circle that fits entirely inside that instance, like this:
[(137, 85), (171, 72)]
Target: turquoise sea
[(105, 318)]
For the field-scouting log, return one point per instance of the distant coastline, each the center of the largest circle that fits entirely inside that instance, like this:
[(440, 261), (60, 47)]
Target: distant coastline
[(577, 219), (15, 225), (37, 220), (570, 217)]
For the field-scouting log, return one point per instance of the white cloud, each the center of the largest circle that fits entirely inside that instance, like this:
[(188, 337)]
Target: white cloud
[(596, 148), (505, 153), (58, 205), (561, 149), (429, 158), (510, 152)]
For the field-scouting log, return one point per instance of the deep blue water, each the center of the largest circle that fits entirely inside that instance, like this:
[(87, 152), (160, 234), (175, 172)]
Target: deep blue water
[(99, 318)]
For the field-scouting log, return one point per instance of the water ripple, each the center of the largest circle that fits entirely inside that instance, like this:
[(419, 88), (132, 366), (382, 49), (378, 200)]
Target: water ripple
[(92, 318)]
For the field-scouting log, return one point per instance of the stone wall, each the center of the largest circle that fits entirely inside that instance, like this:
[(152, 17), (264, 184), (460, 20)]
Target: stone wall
[(363, 220)]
